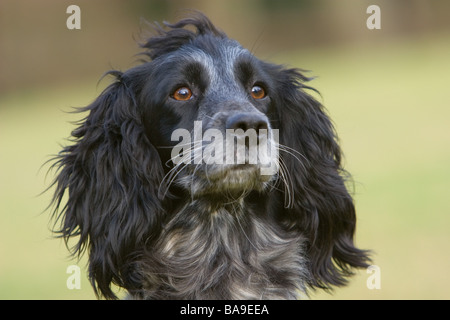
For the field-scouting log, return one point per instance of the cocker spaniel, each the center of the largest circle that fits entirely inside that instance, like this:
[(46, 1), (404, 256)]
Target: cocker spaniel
[(206, 173)]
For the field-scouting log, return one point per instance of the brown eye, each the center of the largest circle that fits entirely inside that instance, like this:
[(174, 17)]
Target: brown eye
[(182, 94), (258, 92)]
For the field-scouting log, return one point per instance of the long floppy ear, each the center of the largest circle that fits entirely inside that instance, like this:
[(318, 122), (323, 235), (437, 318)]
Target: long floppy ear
[(321, 207), (110, 174)]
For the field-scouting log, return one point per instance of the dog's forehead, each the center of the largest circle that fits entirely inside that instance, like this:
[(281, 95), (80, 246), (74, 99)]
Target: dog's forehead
[(222, 50), (219, 67), (218, 57)]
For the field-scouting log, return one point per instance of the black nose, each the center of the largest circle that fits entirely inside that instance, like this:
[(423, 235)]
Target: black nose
[(246, 121)]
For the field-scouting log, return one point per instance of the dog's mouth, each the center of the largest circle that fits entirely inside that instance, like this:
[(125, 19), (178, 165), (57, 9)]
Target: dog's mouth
[(232, 175), (228, 180), (225, 161), (242, 172), (231, 180)]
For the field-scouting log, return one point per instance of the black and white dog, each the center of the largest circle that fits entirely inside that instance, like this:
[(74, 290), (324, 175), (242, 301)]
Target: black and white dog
[(173, 198)]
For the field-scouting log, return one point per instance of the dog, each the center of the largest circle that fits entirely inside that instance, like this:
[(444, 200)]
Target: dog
[(158, 198)]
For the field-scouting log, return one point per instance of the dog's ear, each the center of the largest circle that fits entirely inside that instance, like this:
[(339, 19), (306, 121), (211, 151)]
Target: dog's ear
[(320, 206), (110, 175)]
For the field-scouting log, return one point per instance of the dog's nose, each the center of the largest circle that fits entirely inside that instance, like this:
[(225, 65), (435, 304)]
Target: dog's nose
[(246, 121)]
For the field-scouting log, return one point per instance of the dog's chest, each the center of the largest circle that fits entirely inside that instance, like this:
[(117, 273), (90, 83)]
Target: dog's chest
[(233, 255)]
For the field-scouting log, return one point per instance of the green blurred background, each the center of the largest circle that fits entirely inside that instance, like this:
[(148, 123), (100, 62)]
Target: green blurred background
[(386, 90)]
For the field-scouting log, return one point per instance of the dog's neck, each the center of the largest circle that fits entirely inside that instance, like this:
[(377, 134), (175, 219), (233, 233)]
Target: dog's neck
[(223, 251)]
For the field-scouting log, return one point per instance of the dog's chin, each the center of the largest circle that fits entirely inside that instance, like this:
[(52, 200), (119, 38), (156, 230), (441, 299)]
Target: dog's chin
[(230, 182)]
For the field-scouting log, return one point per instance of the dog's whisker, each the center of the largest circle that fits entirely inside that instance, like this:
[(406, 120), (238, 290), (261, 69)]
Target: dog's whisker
[(172, 174), (292, 152), (182, 164), (285, 177)]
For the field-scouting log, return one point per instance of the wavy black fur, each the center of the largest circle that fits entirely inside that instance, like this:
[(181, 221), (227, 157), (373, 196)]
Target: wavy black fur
[(153, 233)]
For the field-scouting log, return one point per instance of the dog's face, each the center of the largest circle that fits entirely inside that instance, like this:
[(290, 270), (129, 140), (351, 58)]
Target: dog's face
[(208, 111)]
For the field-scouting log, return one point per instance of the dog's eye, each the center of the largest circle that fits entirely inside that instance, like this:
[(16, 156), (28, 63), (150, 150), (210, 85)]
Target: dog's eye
[(257, 92), (182, 94)]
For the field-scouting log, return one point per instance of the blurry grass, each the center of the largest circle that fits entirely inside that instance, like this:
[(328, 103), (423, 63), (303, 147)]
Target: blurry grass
[(391, 108)]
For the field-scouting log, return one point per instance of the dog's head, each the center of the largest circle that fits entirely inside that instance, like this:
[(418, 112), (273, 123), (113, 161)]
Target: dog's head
[(203, 118), (208, 108)]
